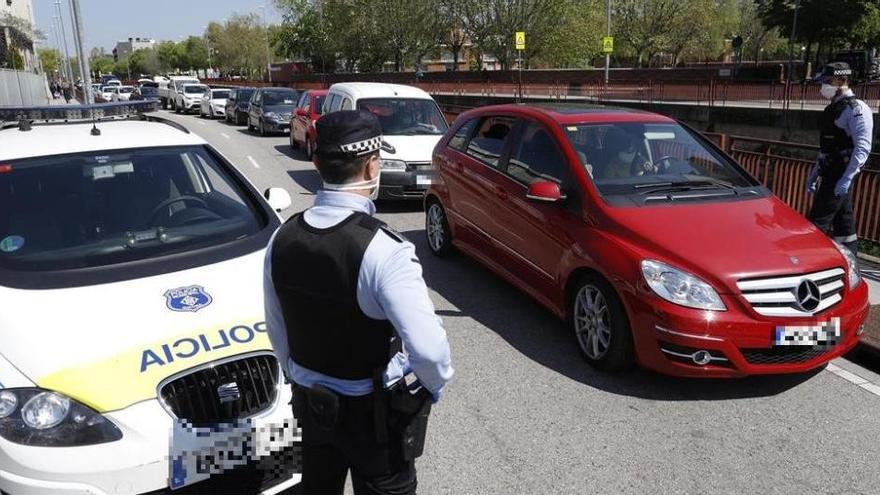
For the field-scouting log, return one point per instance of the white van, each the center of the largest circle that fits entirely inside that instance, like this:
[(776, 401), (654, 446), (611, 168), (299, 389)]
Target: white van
[(412, 123)]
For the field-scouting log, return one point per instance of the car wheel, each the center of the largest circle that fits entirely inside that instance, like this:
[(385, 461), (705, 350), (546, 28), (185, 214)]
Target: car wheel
[(211, 113), (437, 229), (262, 128), (292, 141), (601, 327), (310, 150), (164, 104)]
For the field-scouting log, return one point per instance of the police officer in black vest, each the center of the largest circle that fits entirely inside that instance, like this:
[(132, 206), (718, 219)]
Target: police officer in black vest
[(845, 140), (350, 320)]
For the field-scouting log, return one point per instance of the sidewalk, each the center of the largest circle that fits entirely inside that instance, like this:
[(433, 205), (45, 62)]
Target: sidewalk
[(871, 275)]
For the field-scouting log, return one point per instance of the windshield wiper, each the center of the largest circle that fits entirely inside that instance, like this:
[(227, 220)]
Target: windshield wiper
[(685, 185)]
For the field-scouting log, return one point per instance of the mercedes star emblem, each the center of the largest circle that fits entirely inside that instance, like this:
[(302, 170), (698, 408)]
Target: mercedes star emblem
[(808, 296), (794, 260)]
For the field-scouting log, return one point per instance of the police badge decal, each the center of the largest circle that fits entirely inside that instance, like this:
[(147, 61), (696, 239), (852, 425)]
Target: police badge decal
[(191, 298)]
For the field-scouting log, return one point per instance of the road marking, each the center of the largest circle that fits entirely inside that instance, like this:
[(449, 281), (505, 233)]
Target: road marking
[(201, 122), (224, 135), (853, 378), (253, 162)]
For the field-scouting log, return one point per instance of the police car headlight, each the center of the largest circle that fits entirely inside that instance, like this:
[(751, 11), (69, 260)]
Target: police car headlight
[(392, 164), (852, 263), (50, 419), (680, 287)]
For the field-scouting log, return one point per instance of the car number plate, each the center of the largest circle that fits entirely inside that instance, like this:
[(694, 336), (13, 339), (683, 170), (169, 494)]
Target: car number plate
[(822, 334), (197, 453), (423, 180)]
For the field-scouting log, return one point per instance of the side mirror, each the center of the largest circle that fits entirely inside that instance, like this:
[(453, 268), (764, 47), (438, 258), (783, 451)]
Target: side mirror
[(278, 198), (546, 191), (301, 112)]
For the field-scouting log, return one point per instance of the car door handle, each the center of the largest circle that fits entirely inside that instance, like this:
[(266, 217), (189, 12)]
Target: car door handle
[(501, 192)]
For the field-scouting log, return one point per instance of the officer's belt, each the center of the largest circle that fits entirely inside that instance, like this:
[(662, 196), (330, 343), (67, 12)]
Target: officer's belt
[(380, 404)]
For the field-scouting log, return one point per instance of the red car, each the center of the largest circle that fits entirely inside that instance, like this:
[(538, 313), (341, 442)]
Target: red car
[(654, 245), (302, 124)]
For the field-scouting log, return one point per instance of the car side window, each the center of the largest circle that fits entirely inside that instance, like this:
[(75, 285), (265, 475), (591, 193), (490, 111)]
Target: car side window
[(232, 94), (459, 140), (346, 104), (537, 157), (488, 143)]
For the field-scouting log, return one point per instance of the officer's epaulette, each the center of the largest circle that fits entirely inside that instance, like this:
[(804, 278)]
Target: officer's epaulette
[(397, 236), (853, 103)]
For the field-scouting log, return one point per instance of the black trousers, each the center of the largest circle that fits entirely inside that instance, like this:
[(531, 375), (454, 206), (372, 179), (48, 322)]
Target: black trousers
[(351, 444), (834, 215)]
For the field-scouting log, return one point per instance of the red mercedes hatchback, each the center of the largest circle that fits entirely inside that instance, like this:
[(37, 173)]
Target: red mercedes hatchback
[(654, 245)]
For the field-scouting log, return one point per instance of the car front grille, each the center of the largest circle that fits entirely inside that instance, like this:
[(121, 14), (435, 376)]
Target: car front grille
[(778, 296), (783, 355), (196, 396), (419, 166)]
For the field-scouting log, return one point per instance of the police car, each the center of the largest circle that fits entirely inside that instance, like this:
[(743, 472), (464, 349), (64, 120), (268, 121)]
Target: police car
[(133, 349)]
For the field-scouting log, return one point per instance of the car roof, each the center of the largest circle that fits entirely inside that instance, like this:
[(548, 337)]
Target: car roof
[(318, 92), (358, 90), (67, 138), (575, 113), (278, 88)]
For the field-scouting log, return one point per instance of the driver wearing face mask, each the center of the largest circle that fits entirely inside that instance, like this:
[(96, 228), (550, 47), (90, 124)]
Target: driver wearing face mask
[(625, 160), (845, 140)]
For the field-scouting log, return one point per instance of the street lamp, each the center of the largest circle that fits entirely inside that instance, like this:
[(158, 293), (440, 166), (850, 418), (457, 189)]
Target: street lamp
[(262, 9)]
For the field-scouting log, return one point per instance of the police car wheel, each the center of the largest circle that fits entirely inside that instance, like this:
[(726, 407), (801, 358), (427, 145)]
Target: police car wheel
[(437, 229), (600, 324)]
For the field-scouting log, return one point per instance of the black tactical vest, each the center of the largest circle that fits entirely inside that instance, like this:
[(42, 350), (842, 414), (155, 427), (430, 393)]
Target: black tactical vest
[(834, 142), (315, 274)]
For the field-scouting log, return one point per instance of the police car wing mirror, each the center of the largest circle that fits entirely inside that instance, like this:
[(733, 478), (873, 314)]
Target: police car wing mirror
[(387, 147), (278, 198)]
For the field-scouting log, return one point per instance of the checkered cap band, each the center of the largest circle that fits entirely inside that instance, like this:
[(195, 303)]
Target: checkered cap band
[(843, 72), (362, 147)]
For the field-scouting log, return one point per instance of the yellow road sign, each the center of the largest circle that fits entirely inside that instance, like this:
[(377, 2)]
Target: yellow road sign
[(520, 40), (607, 44)]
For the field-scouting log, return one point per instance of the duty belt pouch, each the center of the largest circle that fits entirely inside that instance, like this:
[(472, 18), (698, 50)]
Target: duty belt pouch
[(323, 406), (414, 410)]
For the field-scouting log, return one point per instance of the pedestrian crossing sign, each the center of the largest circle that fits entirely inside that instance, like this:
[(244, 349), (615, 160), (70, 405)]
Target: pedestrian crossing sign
[(520, 40), (607, 44)]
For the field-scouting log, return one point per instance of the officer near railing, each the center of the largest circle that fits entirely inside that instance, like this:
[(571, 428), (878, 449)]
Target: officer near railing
[(846, 132), (342, 293)]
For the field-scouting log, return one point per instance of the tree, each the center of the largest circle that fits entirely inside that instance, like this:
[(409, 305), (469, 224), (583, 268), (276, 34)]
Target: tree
[(170, 56), (866, 32), (194, 53), (144, 61), (576, 39), (305, 32), (646, 26), (238, 45), (451, 21), (50, 58), (101, 64)]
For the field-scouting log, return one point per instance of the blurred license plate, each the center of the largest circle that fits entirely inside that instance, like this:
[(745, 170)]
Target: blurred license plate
[(823, 334), (423, 180), (198, 453)]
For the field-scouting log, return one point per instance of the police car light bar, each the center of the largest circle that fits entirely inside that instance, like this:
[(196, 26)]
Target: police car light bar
[(94, 111)]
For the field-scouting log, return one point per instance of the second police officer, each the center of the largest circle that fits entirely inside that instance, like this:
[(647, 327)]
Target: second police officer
[(343, 292), (846, 131)]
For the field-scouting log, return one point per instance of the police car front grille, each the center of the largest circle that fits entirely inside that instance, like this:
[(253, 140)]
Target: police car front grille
[(777, 296), (195, 396)]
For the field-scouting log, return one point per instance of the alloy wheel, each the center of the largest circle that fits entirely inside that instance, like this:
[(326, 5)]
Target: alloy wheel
[(592, 322), (436, 227)]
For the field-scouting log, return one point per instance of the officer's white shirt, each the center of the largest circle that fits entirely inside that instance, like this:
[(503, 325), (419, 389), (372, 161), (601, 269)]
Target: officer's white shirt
[(859, 125), (390, 287)]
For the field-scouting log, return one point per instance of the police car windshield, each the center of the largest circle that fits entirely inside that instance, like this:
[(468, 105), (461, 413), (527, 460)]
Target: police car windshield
[(405, 116), (104, 208), (632, 158)]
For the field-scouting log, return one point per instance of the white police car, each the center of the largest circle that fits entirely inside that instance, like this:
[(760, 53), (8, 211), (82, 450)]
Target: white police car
[(133, 352)]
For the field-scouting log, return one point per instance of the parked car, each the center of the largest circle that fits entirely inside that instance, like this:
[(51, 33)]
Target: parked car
[(106, 78), (270, 109), (189, 97), (107, 92), (170, 88), (654, 245), (237, 105), (302, 123), (122, 93), (113, 82), (144, 92), (213, 103), (412, 124)]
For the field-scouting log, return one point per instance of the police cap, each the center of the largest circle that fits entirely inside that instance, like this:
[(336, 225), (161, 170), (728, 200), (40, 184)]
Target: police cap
[(348, 133), (835, 69)]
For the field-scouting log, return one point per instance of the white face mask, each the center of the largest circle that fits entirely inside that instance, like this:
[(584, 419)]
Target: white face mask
[(372, 185), (828, 91)]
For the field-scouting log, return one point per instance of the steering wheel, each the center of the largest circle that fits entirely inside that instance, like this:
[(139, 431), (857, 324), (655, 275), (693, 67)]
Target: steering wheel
[(659, 163), (170, 201)]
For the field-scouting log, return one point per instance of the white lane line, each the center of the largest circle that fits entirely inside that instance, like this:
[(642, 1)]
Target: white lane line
[(854, 379), (253, 162), (224, 135), (201, 122)]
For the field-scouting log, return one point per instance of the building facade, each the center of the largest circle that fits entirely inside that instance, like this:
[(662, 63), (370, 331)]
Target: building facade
[(17, 35), (125, 48)]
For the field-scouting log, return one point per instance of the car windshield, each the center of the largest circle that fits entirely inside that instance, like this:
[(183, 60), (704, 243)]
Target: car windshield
[(102, 208), (244, 95), (149, 90), (405, 116), (126, 89), (195, 89), (220, 94), (319, 104), (280, 97), (624, 158)]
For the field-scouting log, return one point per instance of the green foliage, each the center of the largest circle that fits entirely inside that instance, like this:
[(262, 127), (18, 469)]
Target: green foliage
[(101, 65), (50, 58), (866, 32), (144, 61), (238, 46)]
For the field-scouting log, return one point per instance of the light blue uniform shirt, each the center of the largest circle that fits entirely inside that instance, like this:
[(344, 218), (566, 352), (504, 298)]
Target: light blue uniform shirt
[(859, 125), (390, 287)]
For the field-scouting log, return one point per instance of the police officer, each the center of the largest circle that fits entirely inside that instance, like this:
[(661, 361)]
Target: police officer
[(343, 292), (845, 142)]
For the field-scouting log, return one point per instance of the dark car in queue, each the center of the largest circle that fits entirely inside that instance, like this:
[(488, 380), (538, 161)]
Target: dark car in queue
[(270, 109), (237, 105), (302, 123), (145, 92), (655, 246)]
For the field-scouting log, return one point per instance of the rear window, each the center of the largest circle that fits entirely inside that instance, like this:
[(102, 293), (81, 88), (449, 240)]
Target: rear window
[(195, 89), (244, 94), (488, 142), (280, 97), (220, 93), (106, 208)]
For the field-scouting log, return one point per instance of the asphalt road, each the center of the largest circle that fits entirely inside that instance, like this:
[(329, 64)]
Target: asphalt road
[(525, 415)]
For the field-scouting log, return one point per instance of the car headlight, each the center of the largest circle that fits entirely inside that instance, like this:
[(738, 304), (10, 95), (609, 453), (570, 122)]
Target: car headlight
[(270, 115), (852, 264), (392, 164), (40, 418), (680, 287)]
